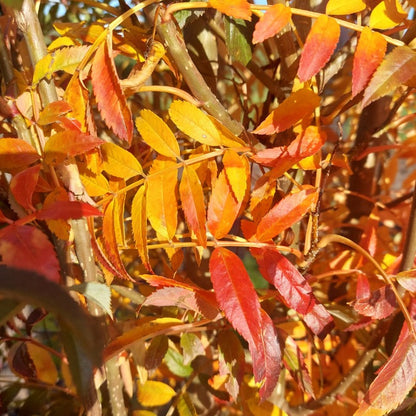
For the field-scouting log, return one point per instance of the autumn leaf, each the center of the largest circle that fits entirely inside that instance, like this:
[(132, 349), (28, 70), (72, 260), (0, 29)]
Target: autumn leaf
[(293, 288), (344, 7), (387, 14), (272, 22), (26, 247), (161, 201), (393, 382), (69, 143), (16, 154), (193, 122), (193, 205), (237, 172), (319, 46), (66, 210), (154, 393), (23, 185), (297, 106), (139, 224), (238, 299), (286, 213), (368, 55), (156, 133), (380, 304), (240, 9), (407, 279), (119, 162), (52, 112), (397, 68), (111, 101), (223, 208)]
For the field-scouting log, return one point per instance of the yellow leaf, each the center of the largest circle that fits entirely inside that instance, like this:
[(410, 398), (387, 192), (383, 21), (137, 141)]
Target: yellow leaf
[(95, 185), (342, 7), (387, 14), (154, 393), (161, 202), (264, 408), (45, 367), (227, 138), (42, 69), (119, 162), (185, 406), (156, 133), (237, 171), (193, 122)]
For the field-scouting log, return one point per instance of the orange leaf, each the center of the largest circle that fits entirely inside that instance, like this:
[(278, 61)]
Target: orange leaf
[(397, 68), (285, 213), (16, 154), (26, 247), (240, 9), (139, 224), (23, 185), (297, 106), (237, 171), (156, 133), (51, 113), (161, 202), (60, 228), (193, 205), (343, 7), (272, 22), (223, 208), (319, 46), (69, 143), (370, 52), (119, 162), (110, 98)]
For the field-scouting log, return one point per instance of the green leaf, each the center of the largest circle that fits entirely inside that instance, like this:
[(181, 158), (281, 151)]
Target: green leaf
[(175, 363), (237, 35), (99, 293), (15, 4), (8, 308)]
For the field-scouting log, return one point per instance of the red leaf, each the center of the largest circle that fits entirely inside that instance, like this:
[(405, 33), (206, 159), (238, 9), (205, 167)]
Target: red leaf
[(379, 305), (393, 382), (69, 143), (65, 210), (26, 247), (110, 98), (297, 106), (293, 288), (319, 46), (286, 213), (238, 299), (306, 144), (272, 22), (23, 185), (16, 154), (407, 279), (240, 9), (52, 112), (368, 55)]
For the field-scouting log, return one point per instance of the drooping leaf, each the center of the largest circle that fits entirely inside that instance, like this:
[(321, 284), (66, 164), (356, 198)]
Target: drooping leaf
[(368, 55), (119, 162), (397, 68), (297, 106), (110, 98), (393, 382), (185, 406), (305, 144), (319, 46), (237, 172), (26, 247), (272, 22), (193, 122), (174, 361), (156, 133), (286, 213), (240, 9), (193, 204), (23, 185), (223, 208), (387, 14), (161, 201), (238, 299), (154, 393), (97, 292), (293, 288), (139, 224), (69, 143), (344, 7), (379, 305), (43, 363), (156, 352), (52, 112), (65, 210), (237, 35), (16, 154), (407, 279), (191, 347)]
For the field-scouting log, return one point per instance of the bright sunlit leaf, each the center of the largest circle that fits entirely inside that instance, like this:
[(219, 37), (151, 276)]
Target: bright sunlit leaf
[(237, 171), (272, 22), (23, 186), (387, 14), (240, 9), (343, 7), (16, 154), (319, 47), (154, 393)]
